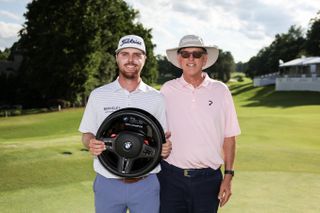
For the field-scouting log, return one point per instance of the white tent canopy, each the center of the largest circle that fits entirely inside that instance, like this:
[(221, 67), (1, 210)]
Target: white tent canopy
[(301, 62)]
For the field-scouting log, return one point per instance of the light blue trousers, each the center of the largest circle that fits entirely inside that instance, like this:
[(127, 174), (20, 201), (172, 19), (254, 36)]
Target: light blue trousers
[(114, 196)]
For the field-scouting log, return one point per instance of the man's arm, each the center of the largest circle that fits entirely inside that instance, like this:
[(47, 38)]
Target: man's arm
[(229, 150), (94, 146)]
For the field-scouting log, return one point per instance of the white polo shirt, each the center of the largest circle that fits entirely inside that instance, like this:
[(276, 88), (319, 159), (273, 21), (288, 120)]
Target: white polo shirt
[(111, 97)]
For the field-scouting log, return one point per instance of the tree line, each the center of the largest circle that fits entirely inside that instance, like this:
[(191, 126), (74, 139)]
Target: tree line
[(286, 46), (68, 49)]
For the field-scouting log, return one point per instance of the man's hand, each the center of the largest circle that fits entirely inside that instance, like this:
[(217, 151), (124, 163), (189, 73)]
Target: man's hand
[(96, 147), (166, 147), (225, 190)]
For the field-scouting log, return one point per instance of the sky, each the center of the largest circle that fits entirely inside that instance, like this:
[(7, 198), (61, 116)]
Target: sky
[(242, 27)]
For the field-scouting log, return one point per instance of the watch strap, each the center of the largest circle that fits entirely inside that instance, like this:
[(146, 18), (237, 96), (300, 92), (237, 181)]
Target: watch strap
[(230, 172)]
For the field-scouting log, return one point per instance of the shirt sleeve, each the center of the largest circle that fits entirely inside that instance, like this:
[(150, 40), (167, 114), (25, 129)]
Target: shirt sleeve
[(165, 124), (162, 114), (88, 123), (232, 127)]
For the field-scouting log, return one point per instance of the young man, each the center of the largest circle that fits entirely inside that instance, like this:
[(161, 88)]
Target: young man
[(203, 124), (114, 194)]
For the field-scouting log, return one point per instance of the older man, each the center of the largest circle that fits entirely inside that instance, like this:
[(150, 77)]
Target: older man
[(203, 124)]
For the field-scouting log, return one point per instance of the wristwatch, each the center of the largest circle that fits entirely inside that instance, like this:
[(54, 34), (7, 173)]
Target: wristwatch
[(230, 172)]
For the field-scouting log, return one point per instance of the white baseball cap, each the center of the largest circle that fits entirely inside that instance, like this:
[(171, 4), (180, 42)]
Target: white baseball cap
[(131, 41)]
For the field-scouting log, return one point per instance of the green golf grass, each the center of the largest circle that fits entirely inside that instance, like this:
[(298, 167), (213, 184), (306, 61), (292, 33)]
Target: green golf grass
[(44, 168)]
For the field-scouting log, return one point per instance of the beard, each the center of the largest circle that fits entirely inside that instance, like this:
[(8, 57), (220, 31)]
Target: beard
[(132, 74), (129, 76)]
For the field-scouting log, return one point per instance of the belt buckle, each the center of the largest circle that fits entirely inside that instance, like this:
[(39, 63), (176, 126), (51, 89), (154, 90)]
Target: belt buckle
[(186, 173)]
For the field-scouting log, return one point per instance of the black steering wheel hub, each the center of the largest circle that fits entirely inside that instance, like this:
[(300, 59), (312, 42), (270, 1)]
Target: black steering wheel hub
[(129, 144)]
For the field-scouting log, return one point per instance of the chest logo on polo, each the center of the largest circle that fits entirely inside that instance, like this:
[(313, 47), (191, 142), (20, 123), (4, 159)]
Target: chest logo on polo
[(110, 109), (210, 102)]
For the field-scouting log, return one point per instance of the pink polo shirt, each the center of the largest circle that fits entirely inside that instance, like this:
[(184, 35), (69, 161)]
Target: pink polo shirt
[(199, 119)]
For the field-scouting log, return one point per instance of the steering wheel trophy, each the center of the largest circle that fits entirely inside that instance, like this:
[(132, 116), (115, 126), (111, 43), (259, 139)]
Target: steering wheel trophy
[(133, 139)]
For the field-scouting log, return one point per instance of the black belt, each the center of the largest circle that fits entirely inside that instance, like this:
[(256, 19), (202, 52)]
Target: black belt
[(189, 172)]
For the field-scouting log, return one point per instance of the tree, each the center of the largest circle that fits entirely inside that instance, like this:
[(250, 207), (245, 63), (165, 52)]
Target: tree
[(9, 75), (251, 67), (167, 71), (68, 48), (223, 67), (286, 46), (313, 37), (241, 67), (4, 55)]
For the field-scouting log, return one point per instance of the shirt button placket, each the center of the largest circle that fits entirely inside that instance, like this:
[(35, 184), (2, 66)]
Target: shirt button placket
[(129, 100), (193, 104)]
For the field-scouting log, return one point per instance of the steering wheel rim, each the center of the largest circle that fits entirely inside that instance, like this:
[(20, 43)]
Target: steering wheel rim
[(133, 139)]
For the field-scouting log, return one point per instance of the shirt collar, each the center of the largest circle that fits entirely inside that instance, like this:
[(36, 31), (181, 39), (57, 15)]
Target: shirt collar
[(204, 83), (117, 87)]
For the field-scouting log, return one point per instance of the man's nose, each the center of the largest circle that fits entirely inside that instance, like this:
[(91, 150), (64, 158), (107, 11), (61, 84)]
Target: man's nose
[(131, 58), (191, 57)]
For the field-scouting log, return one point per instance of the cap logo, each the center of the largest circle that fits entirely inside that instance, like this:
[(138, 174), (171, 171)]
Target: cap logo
[(130, 41)]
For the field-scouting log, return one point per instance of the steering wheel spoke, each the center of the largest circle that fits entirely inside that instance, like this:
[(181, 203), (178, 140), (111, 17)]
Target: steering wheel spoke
[(125, 165), (109, 143)]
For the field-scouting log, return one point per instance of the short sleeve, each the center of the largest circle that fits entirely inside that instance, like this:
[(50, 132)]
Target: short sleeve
[(88, 123)]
